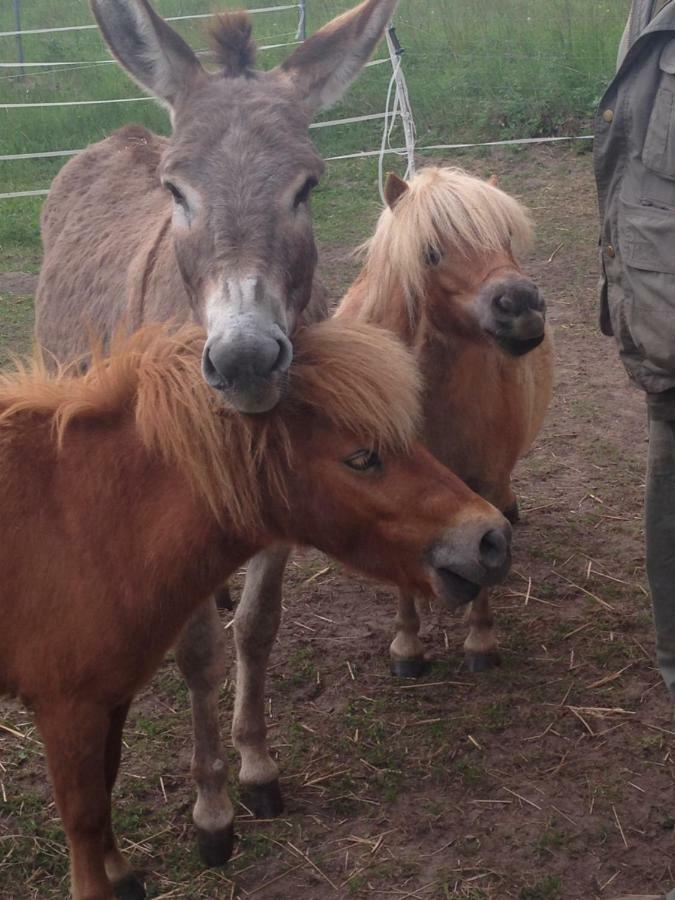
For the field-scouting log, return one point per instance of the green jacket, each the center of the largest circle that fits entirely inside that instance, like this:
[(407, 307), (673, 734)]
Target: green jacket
[(634, 157)]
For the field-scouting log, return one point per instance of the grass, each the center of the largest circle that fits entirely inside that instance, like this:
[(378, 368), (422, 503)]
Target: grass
[(478, 71)]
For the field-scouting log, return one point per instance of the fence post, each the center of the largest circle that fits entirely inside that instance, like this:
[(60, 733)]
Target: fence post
[(19, 41), (302, 23)]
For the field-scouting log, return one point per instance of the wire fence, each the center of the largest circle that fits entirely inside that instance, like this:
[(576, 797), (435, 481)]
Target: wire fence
[(58, 93)]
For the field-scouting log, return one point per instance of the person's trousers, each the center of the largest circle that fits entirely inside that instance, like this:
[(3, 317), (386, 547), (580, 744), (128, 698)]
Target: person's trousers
[(660, 534)]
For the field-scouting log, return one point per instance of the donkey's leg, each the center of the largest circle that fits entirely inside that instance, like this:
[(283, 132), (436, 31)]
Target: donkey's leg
[(127, 885), (200, 654), (75, 737), (255, 628), (480, 647), (406, 650)]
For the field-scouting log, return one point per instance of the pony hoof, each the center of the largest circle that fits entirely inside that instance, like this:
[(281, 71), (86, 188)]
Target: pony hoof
[(223, 599), (264, 800), (415, 667), (215, 847), (482, 662), (512, 513), (130, 887)]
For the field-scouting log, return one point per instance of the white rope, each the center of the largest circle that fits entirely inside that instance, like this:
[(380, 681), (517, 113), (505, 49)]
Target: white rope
[(363, 154), (106, 62), (13, 157), (53, 103), (401, 107), (264, 9)]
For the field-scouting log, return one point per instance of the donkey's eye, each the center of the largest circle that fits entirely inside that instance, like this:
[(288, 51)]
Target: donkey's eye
[(303, 194), (364, 461), (432, 256), (178, 196)]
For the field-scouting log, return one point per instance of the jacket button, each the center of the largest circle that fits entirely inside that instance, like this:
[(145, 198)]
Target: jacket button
[(608, 115), (611, 252)]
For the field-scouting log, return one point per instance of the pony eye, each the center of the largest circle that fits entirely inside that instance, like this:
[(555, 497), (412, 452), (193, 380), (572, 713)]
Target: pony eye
[(432, 256), (303, 194), (363, 461)]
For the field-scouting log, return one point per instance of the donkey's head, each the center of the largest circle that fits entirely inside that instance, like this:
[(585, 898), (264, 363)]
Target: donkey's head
[(239, 169)]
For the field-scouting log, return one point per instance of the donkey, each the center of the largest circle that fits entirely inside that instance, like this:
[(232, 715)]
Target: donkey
[(129, 493), (440, 272), (212, 225)]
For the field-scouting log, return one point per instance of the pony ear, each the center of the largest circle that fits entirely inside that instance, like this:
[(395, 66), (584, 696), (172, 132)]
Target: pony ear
[(493, 181), (394, 189), (327, 62), (153, 54)]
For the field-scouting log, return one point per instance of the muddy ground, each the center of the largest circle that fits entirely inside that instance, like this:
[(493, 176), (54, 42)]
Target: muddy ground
[(550, 778)]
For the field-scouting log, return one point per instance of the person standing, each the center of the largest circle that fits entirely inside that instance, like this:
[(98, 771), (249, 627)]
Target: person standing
[(634, 158)]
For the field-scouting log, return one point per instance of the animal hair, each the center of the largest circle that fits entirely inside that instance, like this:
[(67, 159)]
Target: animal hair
[(443, 208), (356, 376), (233, 48)]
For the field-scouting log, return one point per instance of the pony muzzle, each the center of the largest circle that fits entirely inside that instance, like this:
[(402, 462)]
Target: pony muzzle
[(469, 557)]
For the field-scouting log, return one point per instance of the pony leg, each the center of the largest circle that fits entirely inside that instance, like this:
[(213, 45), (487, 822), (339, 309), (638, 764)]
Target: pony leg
[(255, 627), (75, 737), (200, 654), (406, 650), (127, 885), (480, 647)]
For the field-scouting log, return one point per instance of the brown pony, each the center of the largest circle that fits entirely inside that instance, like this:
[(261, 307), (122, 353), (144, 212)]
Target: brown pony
[(129, 493), (441, 272)]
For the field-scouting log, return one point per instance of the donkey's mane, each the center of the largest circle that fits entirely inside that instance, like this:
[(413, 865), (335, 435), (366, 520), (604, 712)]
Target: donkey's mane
[(233, 48), (356, 376), (443, 208)]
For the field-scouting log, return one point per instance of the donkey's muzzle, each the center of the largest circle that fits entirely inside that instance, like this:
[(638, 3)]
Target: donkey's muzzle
[(469, 557), (250, 369)]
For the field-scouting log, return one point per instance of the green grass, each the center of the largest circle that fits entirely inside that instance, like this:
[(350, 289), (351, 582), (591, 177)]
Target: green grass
[(478, 71)]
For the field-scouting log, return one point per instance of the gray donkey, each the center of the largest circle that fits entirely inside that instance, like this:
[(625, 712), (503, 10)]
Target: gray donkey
[(212, 224)]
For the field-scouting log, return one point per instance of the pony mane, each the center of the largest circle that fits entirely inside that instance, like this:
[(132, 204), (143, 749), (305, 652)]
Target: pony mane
[(443, 208), (357, 376), (232, 46)]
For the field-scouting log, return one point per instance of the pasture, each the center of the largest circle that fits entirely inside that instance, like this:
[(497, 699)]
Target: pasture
[(550, 778)]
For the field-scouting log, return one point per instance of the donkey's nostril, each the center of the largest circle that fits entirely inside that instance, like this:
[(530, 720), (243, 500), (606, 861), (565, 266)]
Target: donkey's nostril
[(494, 548), (209, 371)]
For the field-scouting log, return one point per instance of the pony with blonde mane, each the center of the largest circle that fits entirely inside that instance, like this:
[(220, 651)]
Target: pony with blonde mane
[(440, 271), (129, 493)]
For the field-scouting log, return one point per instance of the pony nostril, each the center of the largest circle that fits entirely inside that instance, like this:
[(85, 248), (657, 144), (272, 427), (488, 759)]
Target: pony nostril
[(502, 302), (494, 549)]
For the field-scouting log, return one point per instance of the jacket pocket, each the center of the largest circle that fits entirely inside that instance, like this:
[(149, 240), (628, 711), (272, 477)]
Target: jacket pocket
[(658, 153), (647, 249)]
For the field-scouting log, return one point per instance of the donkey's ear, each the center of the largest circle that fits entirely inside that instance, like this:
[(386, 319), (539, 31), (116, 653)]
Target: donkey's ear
[(328, 61), (394, 189), (151, 51), (493, 181)]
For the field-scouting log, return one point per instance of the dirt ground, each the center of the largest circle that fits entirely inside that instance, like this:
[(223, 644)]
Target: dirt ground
[(550, 778)]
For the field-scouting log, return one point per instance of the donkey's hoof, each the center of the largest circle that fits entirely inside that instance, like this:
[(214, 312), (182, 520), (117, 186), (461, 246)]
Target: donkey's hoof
[(482, 662), (264, 800), (223, 598), (512, 513), (215, 847), (415, 667), (131, 887)]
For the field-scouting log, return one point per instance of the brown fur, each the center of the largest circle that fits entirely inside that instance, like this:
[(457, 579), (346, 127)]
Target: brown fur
[(234, 50), (110, 536)]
